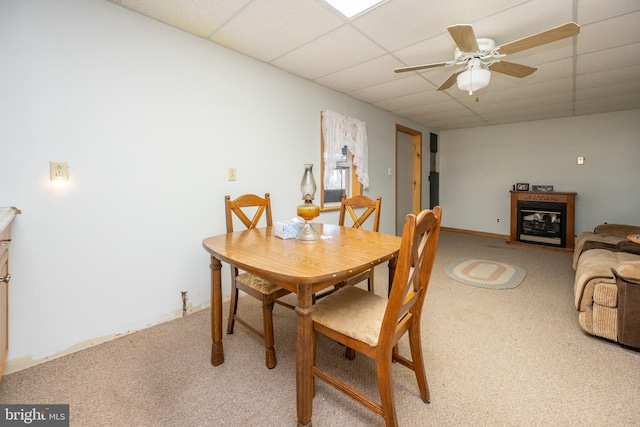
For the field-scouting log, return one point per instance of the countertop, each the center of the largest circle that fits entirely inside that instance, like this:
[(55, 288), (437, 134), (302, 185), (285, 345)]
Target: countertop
[(6, 215)]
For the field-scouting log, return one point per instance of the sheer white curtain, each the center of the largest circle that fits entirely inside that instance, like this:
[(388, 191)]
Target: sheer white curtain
[(339, 130)]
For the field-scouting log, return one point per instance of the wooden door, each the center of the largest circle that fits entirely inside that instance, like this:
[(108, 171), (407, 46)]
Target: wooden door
[(408, 174)]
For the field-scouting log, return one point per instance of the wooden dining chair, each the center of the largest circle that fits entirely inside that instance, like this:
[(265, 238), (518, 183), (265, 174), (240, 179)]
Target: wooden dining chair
[(373, 325), (360, 208), (249, 208)]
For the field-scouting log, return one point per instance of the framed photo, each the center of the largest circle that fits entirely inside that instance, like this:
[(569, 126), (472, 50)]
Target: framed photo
[(522, 186), (542, 188)]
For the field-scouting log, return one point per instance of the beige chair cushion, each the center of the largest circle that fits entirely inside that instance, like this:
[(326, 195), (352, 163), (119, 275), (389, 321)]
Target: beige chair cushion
[(257, 283), (353, 312)]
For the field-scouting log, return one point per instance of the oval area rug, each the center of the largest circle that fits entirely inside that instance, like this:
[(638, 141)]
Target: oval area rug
[(485, 274)]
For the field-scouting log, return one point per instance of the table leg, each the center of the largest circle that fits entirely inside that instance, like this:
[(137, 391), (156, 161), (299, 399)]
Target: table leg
[(217, 352), (304, 365)]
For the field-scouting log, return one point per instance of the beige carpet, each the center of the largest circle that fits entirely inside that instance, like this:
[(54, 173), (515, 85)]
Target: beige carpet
[(515, 357)]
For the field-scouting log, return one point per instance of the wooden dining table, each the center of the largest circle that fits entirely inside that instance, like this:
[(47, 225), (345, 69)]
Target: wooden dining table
[(300, 267)]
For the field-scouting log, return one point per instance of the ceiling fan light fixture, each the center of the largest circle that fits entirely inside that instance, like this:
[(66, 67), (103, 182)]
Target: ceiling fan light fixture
[(473, 79)]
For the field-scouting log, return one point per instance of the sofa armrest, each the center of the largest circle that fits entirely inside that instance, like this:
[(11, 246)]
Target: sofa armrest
[(628, 283)]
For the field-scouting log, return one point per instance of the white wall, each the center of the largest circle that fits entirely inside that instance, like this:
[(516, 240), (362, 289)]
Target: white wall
[(478, 167), (149, 119)]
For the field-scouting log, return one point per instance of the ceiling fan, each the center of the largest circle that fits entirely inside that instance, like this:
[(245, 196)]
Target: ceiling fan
[(476, 56)]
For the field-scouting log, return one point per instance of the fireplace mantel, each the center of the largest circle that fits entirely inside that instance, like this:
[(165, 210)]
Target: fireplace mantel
[(552, 197)]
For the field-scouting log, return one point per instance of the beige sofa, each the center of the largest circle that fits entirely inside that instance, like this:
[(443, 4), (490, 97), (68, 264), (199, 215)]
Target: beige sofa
[(607, 283)]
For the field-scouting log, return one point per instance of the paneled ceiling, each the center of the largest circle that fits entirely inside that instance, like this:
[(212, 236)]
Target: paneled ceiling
[(596, 71)]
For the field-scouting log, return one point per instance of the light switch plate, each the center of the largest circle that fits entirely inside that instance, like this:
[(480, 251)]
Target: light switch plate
[(580, 160)]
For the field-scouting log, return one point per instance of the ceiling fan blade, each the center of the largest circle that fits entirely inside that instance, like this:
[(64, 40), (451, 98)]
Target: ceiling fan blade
[(421, 67), (464, 37), (450, 81), (511, 69), (558, 33)]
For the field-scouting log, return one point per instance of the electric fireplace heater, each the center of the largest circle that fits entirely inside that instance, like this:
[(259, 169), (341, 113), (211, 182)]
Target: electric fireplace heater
[(542, 223)]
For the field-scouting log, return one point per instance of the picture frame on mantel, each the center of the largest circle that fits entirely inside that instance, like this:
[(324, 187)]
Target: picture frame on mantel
[(522, 186), (543, 188)]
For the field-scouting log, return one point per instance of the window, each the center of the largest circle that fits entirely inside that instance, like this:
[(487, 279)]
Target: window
[(339, 181), (341, 170)]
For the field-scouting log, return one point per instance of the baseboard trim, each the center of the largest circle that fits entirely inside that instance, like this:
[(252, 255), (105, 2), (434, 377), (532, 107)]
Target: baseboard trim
[(476, 233), (505, 237)]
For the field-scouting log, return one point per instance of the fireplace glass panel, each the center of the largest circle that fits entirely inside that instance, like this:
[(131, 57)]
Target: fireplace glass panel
[(542, 223)]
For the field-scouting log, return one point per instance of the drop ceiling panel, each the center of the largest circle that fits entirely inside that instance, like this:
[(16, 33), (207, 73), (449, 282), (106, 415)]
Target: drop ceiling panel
[(429, 100), (369, 73), (596, 71), (546, 72), (519, 94), (423, 111), (421, 19), (406, 86), (609, 102), (439, 48), (607, 91), (196, 16), (453, 122), (532, 17), (624, 56), (624, 27), (502, 120), (596, 10), (620, 75), (541, 112), (529, 103), (263, 31), (335, 51), (461, 112)]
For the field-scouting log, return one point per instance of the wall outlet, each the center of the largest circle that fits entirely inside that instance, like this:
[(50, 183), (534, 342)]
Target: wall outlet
[(231, 174), (59, 171), (497, 219)]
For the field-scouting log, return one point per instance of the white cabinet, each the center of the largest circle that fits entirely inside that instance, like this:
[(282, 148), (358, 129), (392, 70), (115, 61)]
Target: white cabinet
[(6, 217)]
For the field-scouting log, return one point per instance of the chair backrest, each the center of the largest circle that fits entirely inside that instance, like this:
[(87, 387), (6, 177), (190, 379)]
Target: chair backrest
[(245, 206), (413, 271), (354, 206)]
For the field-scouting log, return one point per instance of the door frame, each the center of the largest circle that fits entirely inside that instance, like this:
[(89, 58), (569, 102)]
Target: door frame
[(417, 169)]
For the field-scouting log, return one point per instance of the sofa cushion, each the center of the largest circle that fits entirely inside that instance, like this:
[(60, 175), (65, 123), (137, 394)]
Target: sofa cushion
[(588, 240)]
